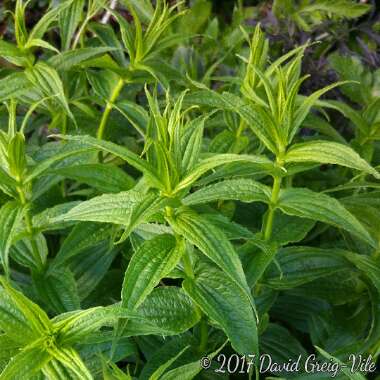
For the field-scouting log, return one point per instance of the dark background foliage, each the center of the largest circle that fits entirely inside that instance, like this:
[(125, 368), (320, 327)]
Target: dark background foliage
[(328, 300)]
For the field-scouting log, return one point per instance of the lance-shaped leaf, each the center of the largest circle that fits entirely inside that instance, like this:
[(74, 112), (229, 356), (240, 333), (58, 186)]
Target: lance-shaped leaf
[(56, 370), (245, 190), (48, 81), (161, 359), (352, 375), (68, 20), (70, 359), (75, 326), (106, 178), (29, 361), (328, 152), (10, 217), (191, 144), (290, 229), (153, 260), (16, 155), (167, 310), (66, 150), (257, 255), (24, 252), (300, 265), (46, 20), (163, 367), (249, 113), (83, 235), (58, 290), (8, 184), (309, 204), (281, 345), (221, 159), (233, 170), (8, 348), (187, 371), (14, 54), (69, 59), (212, 243), (369, 267), (92, 264), (224, 302), (121, 152), (48, 219), (128, 208), (36, 317), (13, 322), (304, 108), (13, 85)]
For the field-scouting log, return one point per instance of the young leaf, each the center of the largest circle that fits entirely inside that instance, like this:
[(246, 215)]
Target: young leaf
[(38, 321), (119, 151), (29, 361), (13, 322), (10, 218), (259, 255), (14, 54), (251, 114), (304, 108), (68, 20), (16, 155), (71, 360), (46, 78), (45, 21), (217, 160)]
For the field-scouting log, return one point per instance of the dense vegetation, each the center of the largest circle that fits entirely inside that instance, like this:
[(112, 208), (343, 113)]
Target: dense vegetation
[(181, 180)]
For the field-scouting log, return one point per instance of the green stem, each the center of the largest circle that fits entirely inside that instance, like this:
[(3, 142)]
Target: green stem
[(268, 225), (80, 31), (187, 265), (29, 226), (109, 106), (204, 335), (240, 129)]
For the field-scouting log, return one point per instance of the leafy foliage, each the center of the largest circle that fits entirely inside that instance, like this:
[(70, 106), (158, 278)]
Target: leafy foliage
[(170, 188)]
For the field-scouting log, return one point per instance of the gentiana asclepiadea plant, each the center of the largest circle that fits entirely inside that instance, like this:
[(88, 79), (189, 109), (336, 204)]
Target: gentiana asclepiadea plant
[(170, 216)]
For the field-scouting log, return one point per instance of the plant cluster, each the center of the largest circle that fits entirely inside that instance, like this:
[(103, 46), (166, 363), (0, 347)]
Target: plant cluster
[(170, 188)]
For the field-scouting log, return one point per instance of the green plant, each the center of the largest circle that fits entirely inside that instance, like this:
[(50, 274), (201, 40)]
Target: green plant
[(152, 214), (307, 14)]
